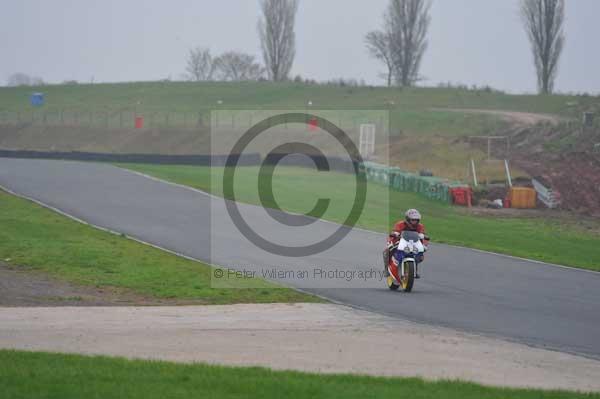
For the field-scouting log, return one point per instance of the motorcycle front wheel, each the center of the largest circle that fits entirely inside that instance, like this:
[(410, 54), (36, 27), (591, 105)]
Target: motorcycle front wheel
[(408, 279)]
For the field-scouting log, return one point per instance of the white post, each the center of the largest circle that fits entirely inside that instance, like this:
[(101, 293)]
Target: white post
[(507, 173), (367, 140), (474, 173)]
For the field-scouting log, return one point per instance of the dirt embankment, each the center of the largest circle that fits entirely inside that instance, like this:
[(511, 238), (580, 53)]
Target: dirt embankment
[(564, 154), (567, 158), (513, 117), (449, 156), (575, 176)]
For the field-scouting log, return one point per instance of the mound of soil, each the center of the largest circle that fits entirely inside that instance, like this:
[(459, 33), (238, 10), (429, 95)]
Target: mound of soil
[(565, 157), (576, 176)]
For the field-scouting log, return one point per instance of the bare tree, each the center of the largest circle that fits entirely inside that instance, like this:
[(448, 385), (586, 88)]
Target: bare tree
[(407, 22), (200, 65), (543, 20), (37, 81), (236, 66), (277, 36), (19, 79), (22, 79), (378, 45)]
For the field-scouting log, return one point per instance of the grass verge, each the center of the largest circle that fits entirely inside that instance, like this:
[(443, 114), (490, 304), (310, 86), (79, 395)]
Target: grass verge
[(37, 375), (44, 240), (296, 190)]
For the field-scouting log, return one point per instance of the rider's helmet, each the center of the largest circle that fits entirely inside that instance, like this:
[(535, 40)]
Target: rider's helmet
[(413, 218)]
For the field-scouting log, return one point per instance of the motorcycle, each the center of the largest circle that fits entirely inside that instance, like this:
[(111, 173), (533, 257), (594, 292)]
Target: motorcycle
[(403, 261)]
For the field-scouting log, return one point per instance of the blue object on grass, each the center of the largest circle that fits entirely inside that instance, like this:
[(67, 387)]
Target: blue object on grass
[(37, 99)]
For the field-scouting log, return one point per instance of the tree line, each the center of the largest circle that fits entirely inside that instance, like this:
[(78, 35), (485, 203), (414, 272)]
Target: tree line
[(278, 44), (402, 41), (399, 45)]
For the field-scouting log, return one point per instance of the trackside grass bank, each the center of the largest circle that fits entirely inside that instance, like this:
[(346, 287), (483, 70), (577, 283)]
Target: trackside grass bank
[(297, 189), (37, 375), (190, 96), (34, 237), (410, 108)]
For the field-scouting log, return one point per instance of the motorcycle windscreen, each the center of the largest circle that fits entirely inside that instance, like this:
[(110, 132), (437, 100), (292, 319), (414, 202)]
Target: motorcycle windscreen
[(410, 236)]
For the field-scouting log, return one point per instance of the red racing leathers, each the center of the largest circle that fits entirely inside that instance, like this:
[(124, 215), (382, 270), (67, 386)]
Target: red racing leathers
[(394, 236)]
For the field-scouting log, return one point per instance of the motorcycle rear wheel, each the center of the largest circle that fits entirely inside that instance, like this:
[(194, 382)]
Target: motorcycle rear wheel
[(391, 284)]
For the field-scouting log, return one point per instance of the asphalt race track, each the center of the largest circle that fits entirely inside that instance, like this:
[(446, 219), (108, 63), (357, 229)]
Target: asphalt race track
[(529, 302)]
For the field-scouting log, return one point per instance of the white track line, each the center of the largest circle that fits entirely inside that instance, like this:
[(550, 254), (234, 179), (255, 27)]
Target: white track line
[(369, 231), (140, 241)]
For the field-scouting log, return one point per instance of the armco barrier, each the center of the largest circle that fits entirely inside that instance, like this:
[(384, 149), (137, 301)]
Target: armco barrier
[(431, 187)]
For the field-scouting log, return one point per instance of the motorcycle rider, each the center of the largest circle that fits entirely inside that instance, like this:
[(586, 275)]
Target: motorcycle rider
[(411, 222)]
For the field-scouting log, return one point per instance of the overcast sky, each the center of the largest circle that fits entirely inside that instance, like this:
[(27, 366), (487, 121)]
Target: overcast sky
[(471, 41)]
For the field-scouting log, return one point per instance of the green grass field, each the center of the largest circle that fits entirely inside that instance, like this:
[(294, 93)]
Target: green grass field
[(410, 108), (45, 375), (36, 238), (296, 190)]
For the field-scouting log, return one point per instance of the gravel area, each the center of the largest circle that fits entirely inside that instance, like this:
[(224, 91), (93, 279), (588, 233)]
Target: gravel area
[(309, 337)]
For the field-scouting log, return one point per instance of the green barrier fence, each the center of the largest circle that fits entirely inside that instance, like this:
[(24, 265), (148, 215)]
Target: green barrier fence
[(432, 187)]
